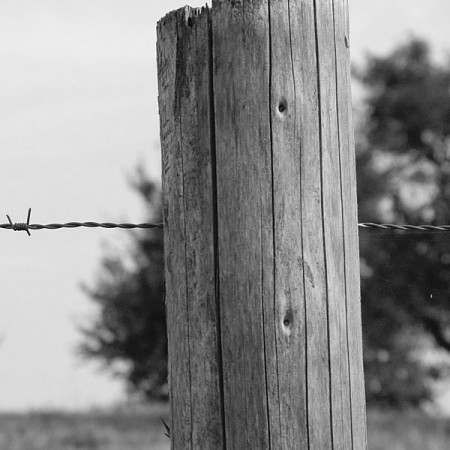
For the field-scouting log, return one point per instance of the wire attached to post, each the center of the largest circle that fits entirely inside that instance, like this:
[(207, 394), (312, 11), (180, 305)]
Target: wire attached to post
[(55, 226)]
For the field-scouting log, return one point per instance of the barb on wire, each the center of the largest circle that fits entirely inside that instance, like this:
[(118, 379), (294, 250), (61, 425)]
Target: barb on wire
[(21, 226), (55, 226)]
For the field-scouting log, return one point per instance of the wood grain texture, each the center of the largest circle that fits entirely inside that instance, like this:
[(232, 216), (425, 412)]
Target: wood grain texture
[(174, 233), (333, 229), (262, 271), (304, 45), (289, 291), (241, 98), (350, 214), (187, 138)]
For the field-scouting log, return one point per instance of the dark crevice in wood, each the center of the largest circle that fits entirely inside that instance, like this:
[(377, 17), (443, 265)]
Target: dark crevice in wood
[(273, 232), (295, 112), (264, 333), (323, 222), (215, 223), (181, 49)]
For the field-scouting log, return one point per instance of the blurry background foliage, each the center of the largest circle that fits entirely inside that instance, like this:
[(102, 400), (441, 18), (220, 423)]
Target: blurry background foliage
[(403, 164), (129, 333)]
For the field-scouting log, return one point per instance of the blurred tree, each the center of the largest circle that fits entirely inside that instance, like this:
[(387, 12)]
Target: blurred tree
[(403, 167), (129, 332)]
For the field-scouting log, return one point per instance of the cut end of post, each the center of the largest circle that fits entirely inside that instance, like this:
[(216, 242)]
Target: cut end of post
[(190, 13)]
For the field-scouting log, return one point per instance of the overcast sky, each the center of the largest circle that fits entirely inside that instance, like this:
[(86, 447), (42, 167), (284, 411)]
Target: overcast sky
[(78, 111)]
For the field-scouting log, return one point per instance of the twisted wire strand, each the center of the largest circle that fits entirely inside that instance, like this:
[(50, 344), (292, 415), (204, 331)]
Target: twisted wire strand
[(56, 226), (391, 226), (19, 226)]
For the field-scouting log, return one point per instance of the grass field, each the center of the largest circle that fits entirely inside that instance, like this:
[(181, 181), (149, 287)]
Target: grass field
[(144, 430), (118, 430)]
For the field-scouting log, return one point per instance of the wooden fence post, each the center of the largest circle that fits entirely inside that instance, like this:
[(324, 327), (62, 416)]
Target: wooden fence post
[(261, 243)]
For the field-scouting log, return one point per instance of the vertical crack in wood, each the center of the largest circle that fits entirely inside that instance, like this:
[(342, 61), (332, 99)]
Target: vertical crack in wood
[(323, 215), (273, 225), (180, 125), (264, 329), (216, 223), (187, 302), (296, 118)]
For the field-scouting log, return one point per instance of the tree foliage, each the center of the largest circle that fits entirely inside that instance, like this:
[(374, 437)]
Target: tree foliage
[(403, 169), (403, 162), (129, 333)]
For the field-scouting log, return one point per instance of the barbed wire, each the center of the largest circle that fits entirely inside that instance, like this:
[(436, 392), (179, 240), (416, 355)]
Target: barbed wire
[(56, 226), (391, 226), (27, 226)]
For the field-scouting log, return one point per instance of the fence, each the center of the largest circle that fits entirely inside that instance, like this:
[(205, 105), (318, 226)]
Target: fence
[(262, 273), (260, 217)]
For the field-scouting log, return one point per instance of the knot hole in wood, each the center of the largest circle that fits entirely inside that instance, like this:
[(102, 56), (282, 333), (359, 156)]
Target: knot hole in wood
[(282, 107)]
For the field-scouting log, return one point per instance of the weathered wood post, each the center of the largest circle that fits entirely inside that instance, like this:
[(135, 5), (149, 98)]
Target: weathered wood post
[(262, 271)]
